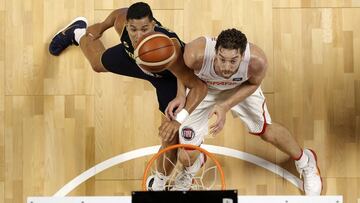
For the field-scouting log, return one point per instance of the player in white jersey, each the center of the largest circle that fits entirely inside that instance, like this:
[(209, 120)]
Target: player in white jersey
[(233, 69)]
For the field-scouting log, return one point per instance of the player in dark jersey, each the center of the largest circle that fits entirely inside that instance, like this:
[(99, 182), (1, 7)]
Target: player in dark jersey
[(131, 24)]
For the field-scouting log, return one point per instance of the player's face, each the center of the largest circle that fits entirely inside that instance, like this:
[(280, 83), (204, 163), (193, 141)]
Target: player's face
[(139, 27), (227, 62)]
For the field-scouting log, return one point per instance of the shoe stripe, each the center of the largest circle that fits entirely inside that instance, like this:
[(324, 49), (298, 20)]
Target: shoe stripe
[(67, 28)]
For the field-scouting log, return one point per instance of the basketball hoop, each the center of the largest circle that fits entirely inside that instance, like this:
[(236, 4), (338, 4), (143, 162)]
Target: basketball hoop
[(200, 180)]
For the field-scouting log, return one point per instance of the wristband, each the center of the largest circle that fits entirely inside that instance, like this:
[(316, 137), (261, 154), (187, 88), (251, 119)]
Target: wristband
[(182, 116)]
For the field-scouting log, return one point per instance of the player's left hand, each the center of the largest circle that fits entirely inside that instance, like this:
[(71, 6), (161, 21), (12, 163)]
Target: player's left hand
[(177, 103), (220, 112), (168, 130)]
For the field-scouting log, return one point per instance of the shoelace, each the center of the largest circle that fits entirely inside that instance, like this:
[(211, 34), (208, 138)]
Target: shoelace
[(308, 172)]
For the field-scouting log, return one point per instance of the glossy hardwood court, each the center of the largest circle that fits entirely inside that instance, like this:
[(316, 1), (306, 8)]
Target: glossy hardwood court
[(58, 118)]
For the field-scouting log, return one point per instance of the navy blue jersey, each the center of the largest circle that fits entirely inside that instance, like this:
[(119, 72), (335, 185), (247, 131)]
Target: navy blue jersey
[(125, 39), (119, 59)]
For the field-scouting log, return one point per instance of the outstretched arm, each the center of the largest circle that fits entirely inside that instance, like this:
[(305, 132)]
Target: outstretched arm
[(116, 18), (198, 90), (193, 60)]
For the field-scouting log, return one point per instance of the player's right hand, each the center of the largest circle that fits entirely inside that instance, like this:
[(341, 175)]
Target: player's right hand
[(94, 31), (177, 103)]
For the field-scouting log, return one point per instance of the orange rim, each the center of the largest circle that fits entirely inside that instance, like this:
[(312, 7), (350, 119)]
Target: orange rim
[(156, 156)]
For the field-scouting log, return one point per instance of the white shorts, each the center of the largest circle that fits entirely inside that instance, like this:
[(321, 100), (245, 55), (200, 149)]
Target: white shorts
[(252, 111)]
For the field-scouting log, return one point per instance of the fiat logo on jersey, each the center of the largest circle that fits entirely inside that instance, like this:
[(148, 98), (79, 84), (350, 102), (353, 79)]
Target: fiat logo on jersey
[(187, 133)]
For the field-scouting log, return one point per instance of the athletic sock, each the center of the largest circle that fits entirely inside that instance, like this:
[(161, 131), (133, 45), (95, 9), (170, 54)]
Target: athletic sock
[(79, 33), (304, 159)]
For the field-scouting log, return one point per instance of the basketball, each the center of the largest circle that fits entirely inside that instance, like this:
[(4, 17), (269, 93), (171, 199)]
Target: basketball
[(154, 51)]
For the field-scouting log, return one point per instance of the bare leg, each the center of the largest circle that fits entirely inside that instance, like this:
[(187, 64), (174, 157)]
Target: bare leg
[(187, 158), (93, 50), (165, 167), (281, 138), (166, 162), (306, 165), (192, 161)]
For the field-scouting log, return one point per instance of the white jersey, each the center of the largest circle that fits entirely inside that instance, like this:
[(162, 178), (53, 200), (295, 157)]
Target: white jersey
[(215, 82), (252, 110)]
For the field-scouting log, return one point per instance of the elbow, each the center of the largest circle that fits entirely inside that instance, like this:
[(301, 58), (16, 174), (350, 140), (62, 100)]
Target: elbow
[(204, 88)]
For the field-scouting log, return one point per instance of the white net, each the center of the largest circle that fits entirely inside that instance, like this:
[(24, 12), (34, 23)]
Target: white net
[(204, 173)]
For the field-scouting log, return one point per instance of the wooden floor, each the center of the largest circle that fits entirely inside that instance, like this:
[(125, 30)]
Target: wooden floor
[(59, 118)]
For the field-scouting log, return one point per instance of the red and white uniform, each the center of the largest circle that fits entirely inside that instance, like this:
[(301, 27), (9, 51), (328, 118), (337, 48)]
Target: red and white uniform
[(252, 111)]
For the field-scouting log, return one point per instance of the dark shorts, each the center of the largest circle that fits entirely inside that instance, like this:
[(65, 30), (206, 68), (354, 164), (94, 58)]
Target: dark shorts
[(116, 60)]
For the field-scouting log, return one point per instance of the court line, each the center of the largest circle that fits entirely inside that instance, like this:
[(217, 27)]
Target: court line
[(67, 188)]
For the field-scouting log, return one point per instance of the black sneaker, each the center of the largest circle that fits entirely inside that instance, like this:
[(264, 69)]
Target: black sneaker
[(66, 37)]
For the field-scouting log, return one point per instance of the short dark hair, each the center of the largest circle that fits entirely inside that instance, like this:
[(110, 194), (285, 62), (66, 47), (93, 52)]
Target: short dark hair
[(231, 39), (139, 10)]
